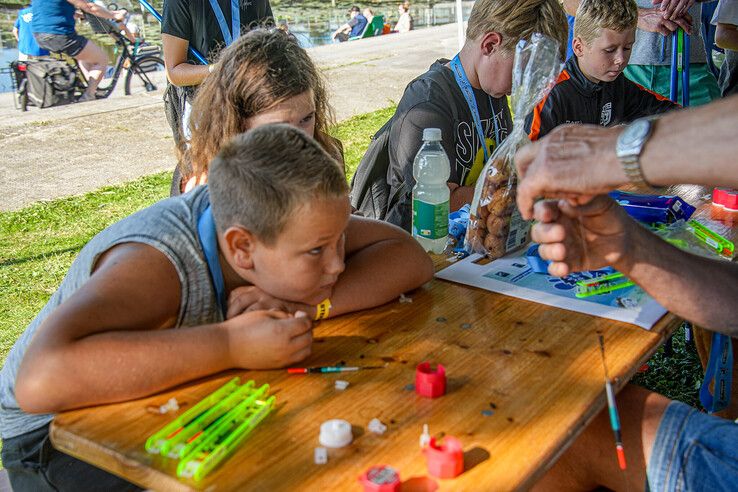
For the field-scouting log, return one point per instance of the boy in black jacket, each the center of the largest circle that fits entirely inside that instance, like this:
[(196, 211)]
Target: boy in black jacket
[(592, 88)]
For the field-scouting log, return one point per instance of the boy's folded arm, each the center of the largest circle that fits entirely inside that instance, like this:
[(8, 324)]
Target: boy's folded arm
[(382, 262), (106, 342)]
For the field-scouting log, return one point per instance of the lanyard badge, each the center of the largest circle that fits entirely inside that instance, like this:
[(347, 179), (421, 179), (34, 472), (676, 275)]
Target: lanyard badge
[(720, 370), (228, 35), (466, 89), (209, 242)]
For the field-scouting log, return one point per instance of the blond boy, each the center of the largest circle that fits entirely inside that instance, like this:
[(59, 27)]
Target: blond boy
[(592, 88)]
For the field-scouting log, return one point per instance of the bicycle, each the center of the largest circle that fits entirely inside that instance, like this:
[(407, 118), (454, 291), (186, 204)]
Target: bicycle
[(137, 66)]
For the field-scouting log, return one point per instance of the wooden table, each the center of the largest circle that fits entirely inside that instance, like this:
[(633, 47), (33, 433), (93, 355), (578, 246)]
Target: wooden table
[(523, 380)]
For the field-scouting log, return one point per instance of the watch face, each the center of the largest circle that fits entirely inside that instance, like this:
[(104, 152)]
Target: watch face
[(635, 133)]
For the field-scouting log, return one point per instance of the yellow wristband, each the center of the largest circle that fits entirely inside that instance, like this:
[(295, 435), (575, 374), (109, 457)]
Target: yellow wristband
[(322, 309)]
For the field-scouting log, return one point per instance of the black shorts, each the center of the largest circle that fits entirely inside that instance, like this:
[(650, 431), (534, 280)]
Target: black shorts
[(69, 44)]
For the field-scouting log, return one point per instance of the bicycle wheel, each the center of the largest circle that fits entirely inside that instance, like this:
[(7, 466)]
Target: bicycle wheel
[(142, 73)]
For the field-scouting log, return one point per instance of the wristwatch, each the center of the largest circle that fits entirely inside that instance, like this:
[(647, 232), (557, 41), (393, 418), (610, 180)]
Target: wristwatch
[(629, 147)]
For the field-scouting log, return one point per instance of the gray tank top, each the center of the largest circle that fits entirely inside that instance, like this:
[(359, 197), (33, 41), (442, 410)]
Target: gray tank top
[(647, 48), (169, 226)]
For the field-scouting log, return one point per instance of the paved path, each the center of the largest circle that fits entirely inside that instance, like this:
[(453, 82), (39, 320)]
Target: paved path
[(73, 149)]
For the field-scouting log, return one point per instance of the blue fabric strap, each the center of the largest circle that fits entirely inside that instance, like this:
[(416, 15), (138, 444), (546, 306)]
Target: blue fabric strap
[(209, 242), (720, 371), (471, 101), (228, 35)]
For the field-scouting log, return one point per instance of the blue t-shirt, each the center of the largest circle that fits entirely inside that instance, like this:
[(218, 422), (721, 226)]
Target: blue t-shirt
[(357, 24), (26, 42), (53, 16)]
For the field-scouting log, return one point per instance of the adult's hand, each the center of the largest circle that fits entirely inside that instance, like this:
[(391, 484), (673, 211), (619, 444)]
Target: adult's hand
[(578, 238), (673, 9), (654, 20), (573, 162)]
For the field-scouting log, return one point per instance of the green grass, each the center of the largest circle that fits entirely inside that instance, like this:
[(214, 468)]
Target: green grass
[(39, 243)]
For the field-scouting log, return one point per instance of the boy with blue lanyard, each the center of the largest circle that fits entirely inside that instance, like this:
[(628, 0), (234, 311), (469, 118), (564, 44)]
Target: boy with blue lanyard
[(466, 98), (228, 276)]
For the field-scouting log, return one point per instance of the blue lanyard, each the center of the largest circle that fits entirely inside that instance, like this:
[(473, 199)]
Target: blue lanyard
[(720, 370), (471, 101), (209, 242), (228, 36)]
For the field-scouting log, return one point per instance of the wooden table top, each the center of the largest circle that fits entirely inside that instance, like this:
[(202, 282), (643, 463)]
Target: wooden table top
[(523, 380)]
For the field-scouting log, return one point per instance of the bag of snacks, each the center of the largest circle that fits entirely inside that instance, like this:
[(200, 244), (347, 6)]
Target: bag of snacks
[(495, 226)]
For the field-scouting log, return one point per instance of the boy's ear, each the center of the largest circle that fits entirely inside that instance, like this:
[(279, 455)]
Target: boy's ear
[(491, 42), (239, 244), (577, 46)]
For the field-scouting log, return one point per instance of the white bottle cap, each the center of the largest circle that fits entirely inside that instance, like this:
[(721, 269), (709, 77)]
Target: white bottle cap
[(335, 433), (432, 134)]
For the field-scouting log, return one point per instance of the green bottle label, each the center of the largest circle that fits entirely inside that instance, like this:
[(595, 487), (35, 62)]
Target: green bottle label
[(430, 221)]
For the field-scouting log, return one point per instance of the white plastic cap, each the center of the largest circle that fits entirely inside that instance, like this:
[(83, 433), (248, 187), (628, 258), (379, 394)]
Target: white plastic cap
[(335, 433), (432, 134)]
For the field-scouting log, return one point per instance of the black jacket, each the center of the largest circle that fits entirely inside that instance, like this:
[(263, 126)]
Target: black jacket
[(576, 99)]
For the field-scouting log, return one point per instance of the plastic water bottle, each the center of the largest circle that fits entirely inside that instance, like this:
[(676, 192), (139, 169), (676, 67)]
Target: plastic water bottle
[(431, 170)]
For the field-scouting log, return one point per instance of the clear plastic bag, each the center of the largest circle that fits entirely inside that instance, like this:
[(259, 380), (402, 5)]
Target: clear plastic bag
[(495, 226)]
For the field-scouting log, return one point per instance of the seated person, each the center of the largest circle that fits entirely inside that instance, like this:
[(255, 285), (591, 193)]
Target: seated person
[(228, 276), (592, 88), (405, 22), (265, 76), (354, 27), (670, 446), (53, 28), (471, 128)]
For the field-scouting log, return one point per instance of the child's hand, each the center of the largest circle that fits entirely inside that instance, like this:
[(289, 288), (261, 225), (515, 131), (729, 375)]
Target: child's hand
[(269, 339), (243, 299)]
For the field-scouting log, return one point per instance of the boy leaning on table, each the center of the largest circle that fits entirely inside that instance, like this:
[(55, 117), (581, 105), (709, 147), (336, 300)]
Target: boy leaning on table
[(592, 87), (240, 267)]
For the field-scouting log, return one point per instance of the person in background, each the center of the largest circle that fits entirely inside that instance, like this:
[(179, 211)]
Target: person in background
[(405, 22), (354, 27), (27, 45), (194, 23), (726, 37), (54, 30), (368, 15)]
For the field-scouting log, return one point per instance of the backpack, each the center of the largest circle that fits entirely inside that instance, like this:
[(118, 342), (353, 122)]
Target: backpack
[(370, 191), (51, 82)]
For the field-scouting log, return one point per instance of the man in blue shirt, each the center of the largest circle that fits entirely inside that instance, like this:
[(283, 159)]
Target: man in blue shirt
[(53, 28), (27, 46), (354, 27)]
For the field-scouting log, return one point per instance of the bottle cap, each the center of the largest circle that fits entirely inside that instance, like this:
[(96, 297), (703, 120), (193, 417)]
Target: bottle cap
[(446, 459), (335, 433), (381, 478), (726, 198), (432, 134), (430, 383)]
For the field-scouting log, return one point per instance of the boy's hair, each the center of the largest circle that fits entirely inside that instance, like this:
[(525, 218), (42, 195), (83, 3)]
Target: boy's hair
[(260, 177), (519, 19), (595, 15)]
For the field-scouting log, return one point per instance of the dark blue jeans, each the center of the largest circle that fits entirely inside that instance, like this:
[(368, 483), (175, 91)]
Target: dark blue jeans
[(34, 465)]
